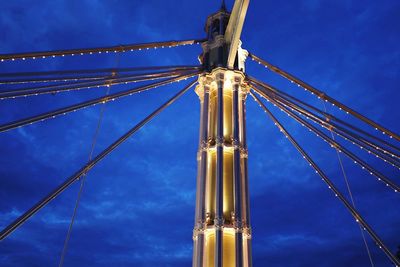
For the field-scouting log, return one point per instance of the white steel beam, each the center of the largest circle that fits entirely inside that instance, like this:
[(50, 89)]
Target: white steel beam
[(234, 29)]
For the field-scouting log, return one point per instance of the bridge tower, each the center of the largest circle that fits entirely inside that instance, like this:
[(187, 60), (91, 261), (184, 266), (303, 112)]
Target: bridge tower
[(222, 235)]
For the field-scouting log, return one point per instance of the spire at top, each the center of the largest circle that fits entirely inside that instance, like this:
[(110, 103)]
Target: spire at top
[(223, 6)]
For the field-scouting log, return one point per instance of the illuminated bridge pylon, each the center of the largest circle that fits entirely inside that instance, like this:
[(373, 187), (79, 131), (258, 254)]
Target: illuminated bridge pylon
[(222, 234)]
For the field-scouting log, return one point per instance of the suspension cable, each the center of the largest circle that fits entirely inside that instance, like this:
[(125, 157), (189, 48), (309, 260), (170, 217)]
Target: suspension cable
[(72, 108), (364, 144), (329, 117), (73, 86), (333, 143), (64, 79), (324, 96), (350, 193), (68, 80), (357, 160), (83, 179), (104, 71), (331, 186), (98, 50), (87, 167)]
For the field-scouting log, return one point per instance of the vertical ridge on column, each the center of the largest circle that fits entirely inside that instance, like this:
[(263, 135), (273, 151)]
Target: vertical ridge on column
[(219, 219)]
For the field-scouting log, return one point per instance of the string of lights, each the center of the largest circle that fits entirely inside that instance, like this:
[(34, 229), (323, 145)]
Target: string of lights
[(98, 50), (85, 104), (73, 86), (325, 97), (103, 71), (85, 169), (54, 79), (78, 76), (385, 155), (334, 144), (381, 153), (358, 218), (329, 117)]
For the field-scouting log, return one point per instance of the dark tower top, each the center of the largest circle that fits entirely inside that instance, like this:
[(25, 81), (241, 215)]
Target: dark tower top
[(215, 50), (223, 6), (216, 23)]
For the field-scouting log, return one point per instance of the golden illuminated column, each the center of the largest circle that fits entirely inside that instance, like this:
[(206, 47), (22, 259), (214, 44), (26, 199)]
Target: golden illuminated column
[(222, 229)]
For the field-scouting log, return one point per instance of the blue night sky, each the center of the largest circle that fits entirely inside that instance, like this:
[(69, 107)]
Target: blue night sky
[(137, 207)]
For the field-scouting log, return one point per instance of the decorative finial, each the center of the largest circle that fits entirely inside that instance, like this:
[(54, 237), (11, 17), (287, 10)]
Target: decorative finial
[(223, 6)]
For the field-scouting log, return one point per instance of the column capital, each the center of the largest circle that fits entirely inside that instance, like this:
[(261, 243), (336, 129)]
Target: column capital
[(247, 232), (220, 141), (200, 226), (237, 79), (204, 145), (244, 89), (235, 143), (236, 220), (219, 76), (238, 227), (244, 154), (219, 222), (202, 148), (208, 218), (204, 86), (205, 80), (197, 232)]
